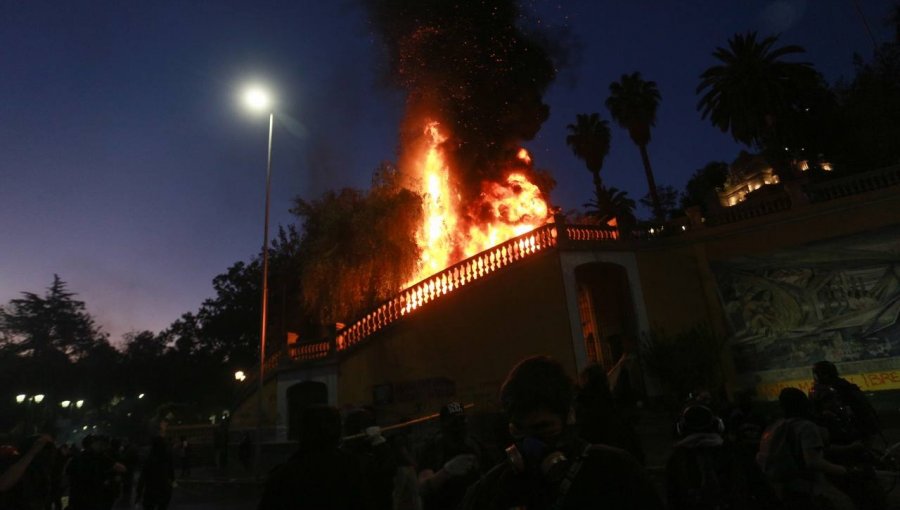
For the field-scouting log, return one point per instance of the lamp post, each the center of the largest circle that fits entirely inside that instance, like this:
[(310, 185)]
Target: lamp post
[(258, 99)]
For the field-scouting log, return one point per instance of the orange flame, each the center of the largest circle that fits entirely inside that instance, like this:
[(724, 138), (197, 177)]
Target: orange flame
[(524, 156), (514, 207)]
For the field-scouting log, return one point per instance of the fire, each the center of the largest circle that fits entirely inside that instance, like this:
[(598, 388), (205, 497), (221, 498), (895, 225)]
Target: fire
[(524, 156), (506, 209), (518, 207), (435, 236)]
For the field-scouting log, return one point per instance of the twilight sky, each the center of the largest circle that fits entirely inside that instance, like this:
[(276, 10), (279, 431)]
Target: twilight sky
[(128, 167)]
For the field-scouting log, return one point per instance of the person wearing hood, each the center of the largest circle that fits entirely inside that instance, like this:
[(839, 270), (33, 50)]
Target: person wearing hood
[(707, 472), (549, 466)]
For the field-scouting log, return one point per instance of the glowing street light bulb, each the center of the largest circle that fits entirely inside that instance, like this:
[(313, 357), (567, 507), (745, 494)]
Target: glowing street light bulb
[(65, 403), (20, 398), (257, 98), (79, 403), (141, 395), (38, 398), (240, 375)]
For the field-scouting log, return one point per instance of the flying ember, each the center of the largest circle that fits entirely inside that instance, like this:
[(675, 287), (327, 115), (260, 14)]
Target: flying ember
[(452, 230)]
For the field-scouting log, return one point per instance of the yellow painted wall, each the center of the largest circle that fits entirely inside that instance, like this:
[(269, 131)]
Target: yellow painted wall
[(472, 336), (476, 334), (672, 280)]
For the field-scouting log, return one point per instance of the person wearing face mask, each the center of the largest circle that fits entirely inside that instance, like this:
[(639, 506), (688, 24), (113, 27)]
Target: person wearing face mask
[(451, 462), (549, 466)]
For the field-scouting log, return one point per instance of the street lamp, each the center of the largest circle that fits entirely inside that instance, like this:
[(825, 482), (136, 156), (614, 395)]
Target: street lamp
[(258, 99), (141, 396), (240, 376), (38, 398), (79, 403), (65, 403), (20, 398)]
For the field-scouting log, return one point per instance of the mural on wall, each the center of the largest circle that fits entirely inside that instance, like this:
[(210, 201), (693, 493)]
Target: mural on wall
[(837, 300)]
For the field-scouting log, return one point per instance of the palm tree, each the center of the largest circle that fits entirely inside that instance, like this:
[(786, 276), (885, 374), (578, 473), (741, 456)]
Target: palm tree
[(632, 103), (612, 203), (589, 139), (753, 88)]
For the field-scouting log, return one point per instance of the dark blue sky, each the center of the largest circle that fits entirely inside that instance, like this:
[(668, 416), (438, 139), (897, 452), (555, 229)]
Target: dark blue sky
[(128, 167)]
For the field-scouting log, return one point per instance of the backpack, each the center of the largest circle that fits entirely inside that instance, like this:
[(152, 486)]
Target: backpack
[(783, 463), (706, 478)]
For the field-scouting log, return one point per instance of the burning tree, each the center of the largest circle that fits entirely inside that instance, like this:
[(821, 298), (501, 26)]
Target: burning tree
[(358, 247), (474, 79)]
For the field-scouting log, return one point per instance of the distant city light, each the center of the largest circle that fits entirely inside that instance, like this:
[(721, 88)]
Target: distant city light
[(141, 395), (38, 398), (240, 375), (79, 403), (20, 398), (65, 403)]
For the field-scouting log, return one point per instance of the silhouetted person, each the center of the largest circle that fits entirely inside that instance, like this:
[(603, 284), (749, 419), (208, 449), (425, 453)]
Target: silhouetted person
[(549, 466), (14, 465), (245, 451), (26, 480), (705, 472), (318, 476), (154, 487), (92, 476), (451, 462), (376, 458), (841, 407), (405, 484), (597, 415), (220, 445), (792, 456), (185, 456), (131, 461), (58, 476)]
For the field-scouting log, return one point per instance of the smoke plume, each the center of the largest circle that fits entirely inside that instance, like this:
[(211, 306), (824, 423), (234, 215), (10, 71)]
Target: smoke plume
[(471, 66)]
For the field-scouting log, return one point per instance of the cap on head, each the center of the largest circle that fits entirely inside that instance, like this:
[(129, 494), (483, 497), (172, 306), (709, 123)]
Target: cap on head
[(452, 410)]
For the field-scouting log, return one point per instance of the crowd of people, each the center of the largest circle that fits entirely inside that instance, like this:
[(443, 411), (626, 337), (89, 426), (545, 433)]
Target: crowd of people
[(98, 475), (570, 446), (574, 447)]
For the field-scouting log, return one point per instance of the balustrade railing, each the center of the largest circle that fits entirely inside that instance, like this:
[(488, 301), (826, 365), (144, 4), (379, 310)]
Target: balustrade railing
[(854, 184), (309, 351), (448, 280), (591, 233)]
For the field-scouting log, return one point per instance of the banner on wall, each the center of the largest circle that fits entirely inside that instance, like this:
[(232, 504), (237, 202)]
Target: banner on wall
[(837, 300), (870, 381)]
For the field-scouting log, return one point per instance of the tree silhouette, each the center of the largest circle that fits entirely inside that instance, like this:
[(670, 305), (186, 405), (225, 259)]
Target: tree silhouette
[(632, 103), (55, 322), (611, 203), (668, 200), (753, 93), (589, 139), (701, 187)]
